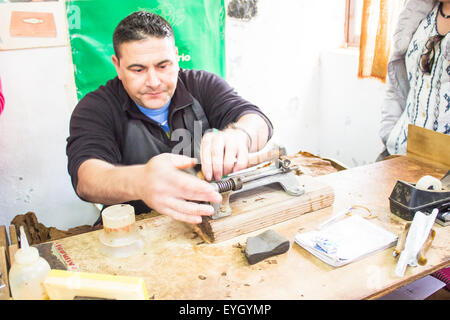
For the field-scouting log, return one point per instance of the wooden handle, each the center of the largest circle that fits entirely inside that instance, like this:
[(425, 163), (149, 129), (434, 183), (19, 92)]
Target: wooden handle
[(273, 152), (421, 259), (401, 240)]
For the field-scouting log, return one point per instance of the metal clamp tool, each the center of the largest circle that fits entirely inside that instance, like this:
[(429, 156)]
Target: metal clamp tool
[(277, 171)]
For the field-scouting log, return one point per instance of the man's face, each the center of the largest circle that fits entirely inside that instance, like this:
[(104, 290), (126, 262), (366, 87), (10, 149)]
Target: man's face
[(148, 70)]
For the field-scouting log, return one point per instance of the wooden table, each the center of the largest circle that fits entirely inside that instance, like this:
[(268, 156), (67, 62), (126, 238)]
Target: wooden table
[(176, 265)]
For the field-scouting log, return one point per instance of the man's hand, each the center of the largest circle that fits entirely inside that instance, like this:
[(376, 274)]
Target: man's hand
[(168, 190), (223, 152), (226, 151)]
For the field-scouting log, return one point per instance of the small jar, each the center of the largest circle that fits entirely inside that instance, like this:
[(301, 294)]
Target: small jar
[(120, 237)]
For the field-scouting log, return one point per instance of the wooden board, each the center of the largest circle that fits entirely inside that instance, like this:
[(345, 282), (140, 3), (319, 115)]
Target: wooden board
[(256, 209), (4, 267), (4, 271), (3, 237), (13, 237), (14, 244), (428, 145)]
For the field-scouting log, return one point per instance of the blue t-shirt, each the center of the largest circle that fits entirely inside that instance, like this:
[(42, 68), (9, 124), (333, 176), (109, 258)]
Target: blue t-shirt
[(158, 115)]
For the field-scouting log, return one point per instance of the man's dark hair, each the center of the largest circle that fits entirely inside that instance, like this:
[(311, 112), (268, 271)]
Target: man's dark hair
[(138, 26)]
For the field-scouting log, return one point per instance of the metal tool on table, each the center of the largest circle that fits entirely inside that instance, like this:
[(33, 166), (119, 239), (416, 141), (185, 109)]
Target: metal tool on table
[(427, 194), (269, 172)]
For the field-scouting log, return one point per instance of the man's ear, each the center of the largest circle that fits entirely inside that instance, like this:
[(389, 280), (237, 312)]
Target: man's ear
[(116, 63)]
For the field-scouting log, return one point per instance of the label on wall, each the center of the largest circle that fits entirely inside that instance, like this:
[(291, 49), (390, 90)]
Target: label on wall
[(199, 28)]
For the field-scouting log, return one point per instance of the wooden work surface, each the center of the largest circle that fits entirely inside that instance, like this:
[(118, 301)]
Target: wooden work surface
[(176, 265)]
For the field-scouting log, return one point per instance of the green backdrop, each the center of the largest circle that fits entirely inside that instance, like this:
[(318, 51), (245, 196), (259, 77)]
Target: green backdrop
[(199, 27)]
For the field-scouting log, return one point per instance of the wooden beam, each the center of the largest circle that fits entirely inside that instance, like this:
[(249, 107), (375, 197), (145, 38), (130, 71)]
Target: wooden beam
[(14, 246), (4, 242), (4, 269), (3, 237), (4, 259), (13, 235)]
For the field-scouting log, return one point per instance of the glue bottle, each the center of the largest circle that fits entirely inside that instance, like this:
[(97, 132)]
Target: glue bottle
[(28, 272)]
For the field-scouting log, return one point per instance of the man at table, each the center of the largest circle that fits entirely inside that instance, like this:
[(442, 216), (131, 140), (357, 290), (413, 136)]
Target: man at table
[(125, 146)]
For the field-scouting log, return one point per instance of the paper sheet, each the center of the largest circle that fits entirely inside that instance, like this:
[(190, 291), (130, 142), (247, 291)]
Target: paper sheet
[(346, 240)]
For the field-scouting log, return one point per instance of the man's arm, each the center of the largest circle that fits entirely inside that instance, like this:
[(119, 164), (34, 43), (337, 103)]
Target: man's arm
[(160, 183), (226, 151)]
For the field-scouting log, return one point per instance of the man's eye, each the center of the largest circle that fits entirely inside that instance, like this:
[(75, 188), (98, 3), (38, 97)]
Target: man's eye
[(137, 70)]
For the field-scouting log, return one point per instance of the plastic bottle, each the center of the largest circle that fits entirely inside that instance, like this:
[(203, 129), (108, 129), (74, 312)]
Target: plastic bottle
[(28, 272)]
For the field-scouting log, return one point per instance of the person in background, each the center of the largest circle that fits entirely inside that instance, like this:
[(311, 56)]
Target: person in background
[(2, 98), (125, 136), (418, 86)]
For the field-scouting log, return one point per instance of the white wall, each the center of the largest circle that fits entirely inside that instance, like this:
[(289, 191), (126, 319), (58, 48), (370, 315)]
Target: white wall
[(349, 110), (39, 93), (284, 60), (273, 61)]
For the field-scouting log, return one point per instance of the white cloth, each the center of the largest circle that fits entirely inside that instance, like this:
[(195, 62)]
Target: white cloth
[(398, 86), (428, 100)]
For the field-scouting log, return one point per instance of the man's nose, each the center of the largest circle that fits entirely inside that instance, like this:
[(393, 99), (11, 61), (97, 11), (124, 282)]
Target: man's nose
[(152, 79)]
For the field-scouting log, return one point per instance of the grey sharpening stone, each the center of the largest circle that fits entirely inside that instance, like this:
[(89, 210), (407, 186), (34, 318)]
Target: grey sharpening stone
[(267, 244)]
